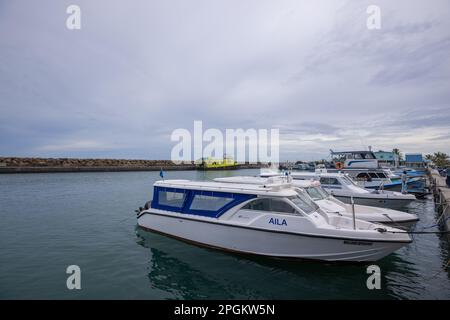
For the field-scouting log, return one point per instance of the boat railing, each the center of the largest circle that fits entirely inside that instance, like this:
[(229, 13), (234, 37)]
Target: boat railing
[(268, 187), (381, 187)]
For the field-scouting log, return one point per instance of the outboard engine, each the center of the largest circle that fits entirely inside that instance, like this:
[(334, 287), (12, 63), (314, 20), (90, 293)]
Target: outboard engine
[(147, 206)]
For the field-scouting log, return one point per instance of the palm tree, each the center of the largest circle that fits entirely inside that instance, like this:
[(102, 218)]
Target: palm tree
[(440, 159), (398, 153)]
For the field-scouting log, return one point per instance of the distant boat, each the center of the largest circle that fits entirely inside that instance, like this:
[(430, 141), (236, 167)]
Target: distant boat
[(412, 173), (226, 163), (354, 159), (303, 167), (363, 167)]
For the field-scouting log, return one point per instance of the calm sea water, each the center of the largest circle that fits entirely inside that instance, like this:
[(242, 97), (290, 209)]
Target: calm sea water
[(51, 221)]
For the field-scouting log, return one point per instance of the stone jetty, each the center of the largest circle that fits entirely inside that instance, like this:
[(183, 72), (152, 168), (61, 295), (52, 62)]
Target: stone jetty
[(36, 165)]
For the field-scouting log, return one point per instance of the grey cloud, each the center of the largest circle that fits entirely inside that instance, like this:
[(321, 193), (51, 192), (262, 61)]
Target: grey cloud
[(308, 127), (441, 137)]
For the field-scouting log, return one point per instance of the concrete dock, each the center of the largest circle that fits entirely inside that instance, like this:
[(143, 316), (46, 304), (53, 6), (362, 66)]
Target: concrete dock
[(441, 194)]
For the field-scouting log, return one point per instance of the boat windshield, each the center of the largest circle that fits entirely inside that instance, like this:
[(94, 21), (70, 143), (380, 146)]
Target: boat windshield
[(317, 193), (348, 181), (304, 202)]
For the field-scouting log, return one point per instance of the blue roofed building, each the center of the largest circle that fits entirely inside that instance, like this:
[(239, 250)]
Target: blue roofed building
[(414, 160), (386, 157)]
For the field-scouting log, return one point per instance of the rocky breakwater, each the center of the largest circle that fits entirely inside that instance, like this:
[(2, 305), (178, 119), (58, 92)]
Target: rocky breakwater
[(30, 165)]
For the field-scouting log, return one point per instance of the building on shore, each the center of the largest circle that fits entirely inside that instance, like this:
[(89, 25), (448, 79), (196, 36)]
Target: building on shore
[(415, 160), (388, 158)]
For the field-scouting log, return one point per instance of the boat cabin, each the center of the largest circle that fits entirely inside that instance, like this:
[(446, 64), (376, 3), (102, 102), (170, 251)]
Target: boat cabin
[(354, 159), (312, 187), (214, 199)]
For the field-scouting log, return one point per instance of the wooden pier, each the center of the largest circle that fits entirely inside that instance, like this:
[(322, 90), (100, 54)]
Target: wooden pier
[(441, 194)]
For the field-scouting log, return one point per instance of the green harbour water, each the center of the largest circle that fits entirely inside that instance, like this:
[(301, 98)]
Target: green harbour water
[(50, 221)]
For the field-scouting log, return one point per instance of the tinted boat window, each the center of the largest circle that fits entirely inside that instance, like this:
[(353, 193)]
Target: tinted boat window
[(258, 204), (362, 176), (304, 203), (172, 199), (210, 203), (281, 206), (332, 181), (373, 175), (316, 193), (267, 204), (346, 180)]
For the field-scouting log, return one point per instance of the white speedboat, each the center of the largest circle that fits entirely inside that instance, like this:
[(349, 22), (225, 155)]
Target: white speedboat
[(380, 179), (269, 220), (333, 206), (354, 159), (344, 188), (365, 170)]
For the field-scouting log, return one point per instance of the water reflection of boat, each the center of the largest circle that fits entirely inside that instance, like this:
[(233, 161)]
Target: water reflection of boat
[(170, 274), (190, 272)]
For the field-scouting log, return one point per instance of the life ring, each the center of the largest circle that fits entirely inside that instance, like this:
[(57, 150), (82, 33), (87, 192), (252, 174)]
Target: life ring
[(339, 165)]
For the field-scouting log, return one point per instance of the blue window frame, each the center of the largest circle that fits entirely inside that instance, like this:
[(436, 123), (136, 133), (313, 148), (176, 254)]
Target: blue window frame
[(170, 199), (197, 202), (203, 202)]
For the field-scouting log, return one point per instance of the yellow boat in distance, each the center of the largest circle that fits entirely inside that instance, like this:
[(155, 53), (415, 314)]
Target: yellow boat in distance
[(209, 163)]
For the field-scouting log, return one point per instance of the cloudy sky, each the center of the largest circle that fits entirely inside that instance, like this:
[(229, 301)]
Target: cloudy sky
[(137, 70)]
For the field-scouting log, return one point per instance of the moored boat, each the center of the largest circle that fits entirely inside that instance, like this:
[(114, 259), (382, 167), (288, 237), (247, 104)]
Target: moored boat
[(226, 163), (342, 187), (332, 206), (364, 168), (270, 220)]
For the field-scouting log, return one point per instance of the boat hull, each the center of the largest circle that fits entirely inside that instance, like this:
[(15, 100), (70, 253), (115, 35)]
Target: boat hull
[(412, 184), (404, 225), (394, 223), (268, 242), (392, 203)]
